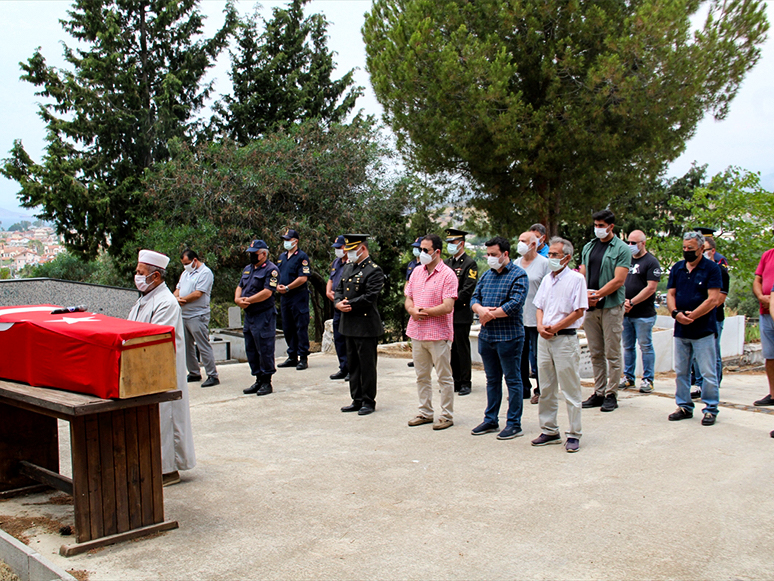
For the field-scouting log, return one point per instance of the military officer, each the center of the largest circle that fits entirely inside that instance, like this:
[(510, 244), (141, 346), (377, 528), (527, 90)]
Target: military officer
[(294, 270), (255, 294), (356, 296), (467, 275), (336, 270), (414, 261)]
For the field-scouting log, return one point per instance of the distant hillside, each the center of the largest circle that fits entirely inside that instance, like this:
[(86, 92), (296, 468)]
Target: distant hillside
[(11, 217)]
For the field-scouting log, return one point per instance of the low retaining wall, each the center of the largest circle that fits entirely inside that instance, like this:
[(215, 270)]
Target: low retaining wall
[(28, 564)]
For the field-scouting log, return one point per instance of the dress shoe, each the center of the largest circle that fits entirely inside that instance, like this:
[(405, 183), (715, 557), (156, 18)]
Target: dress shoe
[(340, 374), (193, 378), (289, 362), (610, 403), (252, 389), (264, 390), (210, 381), (464, 390), (708, 419), (347, 377), (680, 414), (353, 407), (365, 410), (595, 401), (302, 364)]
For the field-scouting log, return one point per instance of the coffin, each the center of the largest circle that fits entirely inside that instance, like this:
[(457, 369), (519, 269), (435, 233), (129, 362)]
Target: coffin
[(86, 352)]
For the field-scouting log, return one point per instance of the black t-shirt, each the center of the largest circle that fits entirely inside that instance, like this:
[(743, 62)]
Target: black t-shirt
[(720, 312), (595, 265), (643, 269)]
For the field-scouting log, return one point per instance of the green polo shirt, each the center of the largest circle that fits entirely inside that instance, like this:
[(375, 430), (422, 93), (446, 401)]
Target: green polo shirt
[(617, 254)]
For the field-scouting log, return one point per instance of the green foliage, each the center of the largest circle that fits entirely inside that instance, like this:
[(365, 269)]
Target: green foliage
[(134, 85), (551, 108), (5, 273), (741, 298), (282, 76), (22, 226), (65, 266)]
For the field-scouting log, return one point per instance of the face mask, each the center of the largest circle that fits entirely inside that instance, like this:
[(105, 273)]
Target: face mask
[(690, 255), (417, 251), (339, 253), (141, 283), (452, 249), (288, 244), (522, 248), (253, 258), (634, 249), (555, 264), (709, 255), (494, 262), (425, 258), (352, 255), (600, 232), (189, 268)]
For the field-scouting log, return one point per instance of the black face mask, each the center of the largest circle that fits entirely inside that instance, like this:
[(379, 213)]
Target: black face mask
[(689, 255), (253, 258)]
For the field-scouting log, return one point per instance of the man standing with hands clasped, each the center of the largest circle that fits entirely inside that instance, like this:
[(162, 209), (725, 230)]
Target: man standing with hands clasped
[(561, 302), (430, 295), (294, 270)]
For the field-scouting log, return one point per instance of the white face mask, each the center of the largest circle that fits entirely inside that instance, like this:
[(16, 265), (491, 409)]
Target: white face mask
[(494, 262), (288, 244), (425, 258), (189, 268), (600, 232), (141, 283), (634, 249), (416, 251), (709, 255), (352, 255), (339, 253), (555, 264), (452, 248), (522, 248)]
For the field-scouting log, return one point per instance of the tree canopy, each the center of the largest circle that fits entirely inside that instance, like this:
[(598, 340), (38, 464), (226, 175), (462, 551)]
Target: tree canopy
[(547, 107)]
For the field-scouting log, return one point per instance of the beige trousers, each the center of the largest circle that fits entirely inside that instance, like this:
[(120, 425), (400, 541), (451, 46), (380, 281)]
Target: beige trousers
[(429, 354), (558, 361), (603, 329)]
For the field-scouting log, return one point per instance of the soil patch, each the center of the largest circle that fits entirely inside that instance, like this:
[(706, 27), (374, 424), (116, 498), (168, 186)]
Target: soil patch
[(19, 526)]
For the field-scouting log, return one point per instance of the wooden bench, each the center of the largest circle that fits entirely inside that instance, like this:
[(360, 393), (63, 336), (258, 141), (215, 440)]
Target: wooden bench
[(115, 448)]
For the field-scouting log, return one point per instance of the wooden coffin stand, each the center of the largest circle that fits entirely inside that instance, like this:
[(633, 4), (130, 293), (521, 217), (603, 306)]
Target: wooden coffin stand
[(115, 448)]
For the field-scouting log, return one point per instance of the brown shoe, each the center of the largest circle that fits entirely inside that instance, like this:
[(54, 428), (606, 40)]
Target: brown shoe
[(419, 420), (170, 478), (442, 424)]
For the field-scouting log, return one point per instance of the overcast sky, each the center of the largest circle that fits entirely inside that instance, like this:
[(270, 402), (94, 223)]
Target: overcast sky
[(741, 139)]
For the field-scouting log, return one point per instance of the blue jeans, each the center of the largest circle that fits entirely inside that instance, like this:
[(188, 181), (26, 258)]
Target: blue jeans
[(639, 330), (702, 351), (699, 380), (502, 358)]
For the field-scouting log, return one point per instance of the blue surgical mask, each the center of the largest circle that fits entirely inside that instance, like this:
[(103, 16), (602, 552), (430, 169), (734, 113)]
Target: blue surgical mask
[(452, 248), (417, 251), (288, 244)]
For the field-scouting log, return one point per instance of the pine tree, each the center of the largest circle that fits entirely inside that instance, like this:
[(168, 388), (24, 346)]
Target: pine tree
[(135, 86)]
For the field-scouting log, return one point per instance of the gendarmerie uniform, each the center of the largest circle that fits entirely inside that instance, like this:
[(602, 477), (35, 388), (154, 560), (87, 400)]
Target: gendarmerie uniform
[(467, 275), (360, 285), (414, 261), (294, 304)]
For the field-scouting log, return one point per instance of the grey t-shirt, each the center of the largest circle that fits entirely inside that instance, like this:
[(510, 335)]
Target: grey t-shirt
[(199, 280), (536, 270)]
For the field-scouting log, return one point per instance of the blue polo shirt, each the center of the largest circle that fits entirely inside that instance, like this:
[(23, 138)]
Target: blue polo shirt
[(256, 278), (691, 290), (290, 268)]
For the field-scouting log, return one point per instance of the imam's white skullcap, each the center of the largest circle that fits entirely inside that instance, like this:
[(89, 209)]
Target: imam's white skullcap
[(153, 258)]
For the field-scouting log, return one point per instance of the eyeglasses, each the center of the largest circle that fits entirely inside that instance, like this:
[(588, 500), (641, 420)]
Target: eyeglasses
[(633, 243), (427, 250), (555, 255)]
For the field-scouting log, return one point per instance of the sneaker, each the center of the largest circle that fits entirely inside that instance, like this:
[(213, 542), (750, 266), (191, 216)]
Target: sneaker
[(484, 428), (210, 381), (545, 439), (610, 403), (768, 400), (509, 433), (420, 420), (193, 378), (708, 419), (594, 401), (646, 386), (696, 394), (680, 414), (626, 383), (442, 424), (572, 445)]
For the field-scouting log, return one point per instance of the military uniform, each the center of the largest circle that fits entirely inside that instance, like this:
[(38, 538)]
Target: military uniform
[(466, 270), (360, 285), (294, 304), (337, 271), (260, 326)]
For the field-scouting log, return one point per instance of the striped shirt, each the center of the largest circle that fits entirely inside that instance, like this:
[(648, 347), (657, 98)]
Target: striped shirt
[(507, 289), (429, 290)]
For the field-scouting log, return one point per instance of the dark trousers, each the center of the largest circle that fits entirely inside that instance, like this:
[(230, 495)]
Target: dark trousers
[(260, 331), (361, 358), (295, 326), (530, 338), (460, 355), (339, 341)]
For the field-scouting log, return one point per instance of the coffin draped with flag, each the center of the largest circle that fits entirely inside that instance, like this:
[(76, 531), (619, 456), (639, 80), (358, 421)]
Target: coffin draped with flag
[(86, 352)]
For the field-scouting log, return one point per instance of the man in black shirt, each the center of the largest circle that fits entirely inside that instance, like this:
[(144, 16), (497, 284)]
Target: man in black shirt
[(640, 312)]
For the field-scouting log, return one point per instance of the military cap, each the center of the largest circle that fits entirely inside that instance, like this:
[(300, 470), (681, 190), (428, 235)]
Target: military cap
[(352, 241), (339, 241), (418, 242), (453, 234), (290, 233), (258, 245), (706, 232)]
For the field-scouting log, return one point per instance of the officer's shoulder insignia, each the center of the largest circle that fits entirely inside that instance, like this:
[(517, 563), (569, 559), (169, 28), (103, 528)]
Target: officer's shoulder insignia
[(305, 262), (274, 273), (246, 272), (472, 273)]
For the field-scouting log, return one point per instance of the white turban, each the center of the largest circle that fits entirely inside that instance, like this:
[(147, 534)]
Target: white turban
[(153, 258)]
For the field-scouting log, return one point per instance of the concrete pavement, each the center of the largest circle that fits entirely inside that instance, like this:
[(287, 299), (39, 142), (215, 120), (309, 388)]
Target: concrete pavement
[(287, 487)]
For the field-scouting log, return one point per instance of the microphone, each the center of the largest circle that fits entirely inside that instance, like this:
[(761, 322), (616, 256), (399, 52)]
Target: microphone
[(63, 310)]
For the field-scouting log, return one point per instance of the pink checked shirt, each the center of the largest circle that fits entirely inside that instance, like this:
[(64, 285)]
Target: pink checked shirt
[(429, 290)]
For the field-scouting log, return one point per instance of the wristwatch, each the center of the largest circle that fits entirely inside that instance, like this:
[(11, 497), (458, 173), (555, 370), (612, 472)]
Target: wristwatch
[(674, 313)]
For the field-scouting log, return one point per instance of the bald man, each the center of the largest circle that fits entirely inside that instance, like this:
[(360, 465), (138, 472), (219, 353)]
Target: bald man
[(640, 312)]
